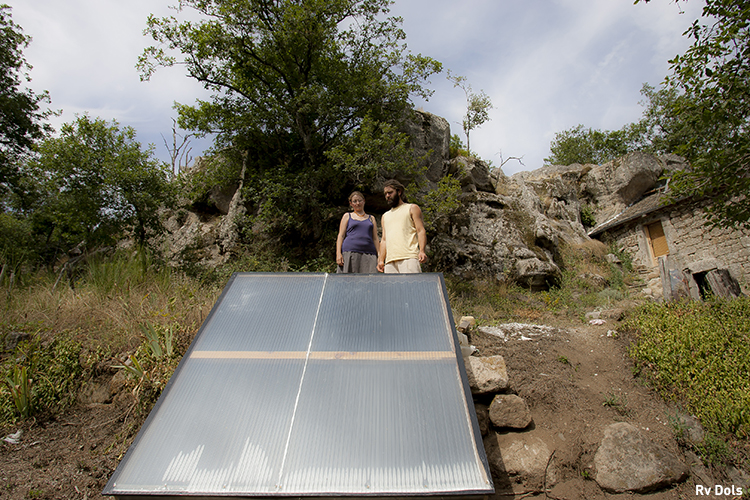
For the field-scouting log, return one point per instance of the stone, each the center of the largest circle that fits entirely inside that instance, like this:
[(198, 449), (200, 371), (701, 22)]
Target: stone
[(463, 326), (469, 319), (472, 173), (509, 411), (522, 457), (628, 461), (429, 136), (536, 274), (487, 375), (690, 428)]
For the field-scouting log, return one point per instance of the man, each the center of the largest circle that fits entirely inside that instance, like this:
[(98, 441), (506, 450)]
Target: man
[(404, 238)]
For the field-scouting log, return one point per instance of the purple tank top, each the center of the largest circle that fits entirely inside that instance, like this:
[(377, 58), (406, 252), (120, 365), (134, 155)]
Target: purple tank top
[(359, 237)]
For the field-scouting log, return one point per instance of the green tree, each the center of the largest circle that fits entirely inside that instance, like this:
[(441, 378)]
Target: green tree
[(291, 80), (712, 84), (95, 184), (478, 107), (586, 145), (376, 152), (457, 147), (21, 120), (714, 75)]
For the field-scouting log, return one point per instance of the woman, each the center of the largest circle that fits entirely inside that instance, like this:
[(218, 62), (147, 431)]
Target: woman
[(357, 243)]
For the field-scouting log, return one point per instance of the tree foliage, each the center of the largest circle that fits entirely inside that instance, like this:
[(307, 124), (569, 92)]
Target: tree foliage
[(93, 184), (713, 76), (378, 151), (585, 145), (291, 80), (21, 120)]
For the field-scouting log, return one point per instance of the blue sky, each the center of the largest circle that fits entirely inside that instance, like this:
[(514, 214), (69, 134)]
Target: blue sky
[(547, 65)]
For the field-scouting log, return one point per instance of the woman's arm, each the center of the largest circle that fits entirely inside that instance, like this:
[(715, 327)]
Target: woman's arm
[(340, 239)]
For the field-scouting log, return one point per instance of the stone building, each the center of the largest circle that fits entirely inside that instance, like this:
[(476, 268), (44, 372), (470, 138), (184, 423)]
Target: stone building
[(672, 245)]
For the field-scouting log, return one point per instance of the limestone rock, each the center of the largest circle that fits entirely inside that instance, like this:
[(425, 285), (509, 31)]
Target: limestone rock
[(627, 461), (536, 274), (430, 135), (487, 375), (691, 428), (616, 184), (472, 173), (509, 411), (522, 457)]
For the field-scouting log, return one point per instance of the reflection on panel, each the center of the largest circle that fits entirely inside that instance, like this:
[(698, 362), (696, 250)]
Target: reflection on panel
[(314, 385)]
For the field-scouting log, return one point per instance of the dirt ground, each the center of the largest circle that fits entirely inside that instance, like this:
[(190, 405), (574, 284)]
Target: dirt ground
[(566, 376), (577, 379)]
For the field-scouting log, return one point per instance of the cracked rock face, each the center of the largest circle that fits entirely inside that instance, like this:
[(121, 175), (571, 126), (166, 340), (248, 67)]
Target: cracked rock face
[(513, 227), (507, 228)]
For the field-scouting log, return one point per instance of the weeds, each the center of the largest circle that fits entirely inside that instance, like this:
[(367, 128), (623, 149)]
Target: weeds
[(699, 353), (616, 402), (19, 384), (43, 375)]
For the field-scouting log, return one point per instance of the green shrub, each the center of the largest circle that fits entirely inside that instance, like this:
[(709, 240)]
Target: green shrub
[(588, 218), (40, 376), (698, 353), (439, 204)]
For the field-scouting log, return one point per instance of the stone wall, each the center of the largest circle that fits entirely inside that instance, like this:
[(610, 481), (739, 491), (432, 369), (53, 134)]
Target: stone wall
[(692, 245)]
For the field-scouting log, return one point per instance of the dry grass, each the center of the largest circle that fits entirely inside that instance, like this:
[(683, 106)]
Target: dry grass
[(108, 313)]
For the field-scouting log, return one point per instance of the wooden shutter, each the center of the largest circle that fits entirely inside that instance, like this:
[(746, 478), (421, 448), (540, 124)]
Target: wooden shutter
[(657, 239)]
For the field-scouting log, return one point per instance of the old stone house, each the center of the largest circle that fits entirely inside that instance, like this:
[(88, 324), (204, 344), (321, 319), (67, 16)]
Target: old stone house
[(672, 245)]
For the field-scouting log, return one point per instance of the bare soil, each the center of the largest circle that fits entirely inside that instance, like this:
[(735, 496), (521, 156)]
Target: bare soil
[(576, 380)]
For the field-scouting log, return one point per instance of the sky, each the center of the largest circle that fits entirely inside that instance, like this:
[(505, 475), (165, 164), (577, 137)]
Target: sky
[(547, 65)]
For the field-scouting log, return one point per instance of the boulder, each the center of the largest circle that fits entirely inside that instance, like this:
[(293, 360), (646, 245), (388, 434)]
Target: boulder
[(536, 274), (522, 457), (615, 185), (508, 411), (430, 135), (472, 173), (486, 375), (628, 461)]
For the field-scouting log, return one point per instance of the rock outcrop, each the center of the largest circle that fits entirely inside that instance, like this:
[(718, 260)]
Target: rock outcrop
[(512, 228), (507, 228)]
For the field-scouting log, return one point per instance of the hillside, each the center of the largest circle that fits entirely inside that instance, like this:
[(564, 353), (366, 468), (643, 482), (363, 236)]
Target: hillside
[(576, 380)]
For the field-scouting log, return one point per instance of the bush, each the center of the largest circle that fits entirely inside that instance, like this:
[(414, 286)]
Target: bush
[(699, 354), (40, 377)]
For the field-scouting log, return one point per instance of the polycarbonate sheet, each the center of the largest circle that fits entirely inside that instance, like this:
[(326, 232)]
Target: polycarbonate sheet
[(315, 385), (265, 312)]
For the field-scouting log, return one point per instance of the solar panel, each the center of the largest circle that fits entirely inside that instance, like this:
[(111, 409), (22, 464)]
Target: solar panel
[(315, 385)]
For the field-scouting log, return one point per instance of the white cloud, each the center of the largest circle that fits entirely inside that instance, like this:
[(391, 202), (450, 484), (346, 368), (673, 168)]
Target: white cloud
[(547, 65)]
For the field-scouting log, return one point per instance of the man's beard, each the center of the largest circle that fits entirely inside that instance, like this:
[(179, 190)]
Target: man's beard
[(392, 202)]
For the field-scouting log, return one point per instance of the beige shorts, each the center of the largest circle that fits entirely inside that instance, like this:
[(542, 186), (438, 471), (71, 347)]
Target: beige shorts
[(403, 267)]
